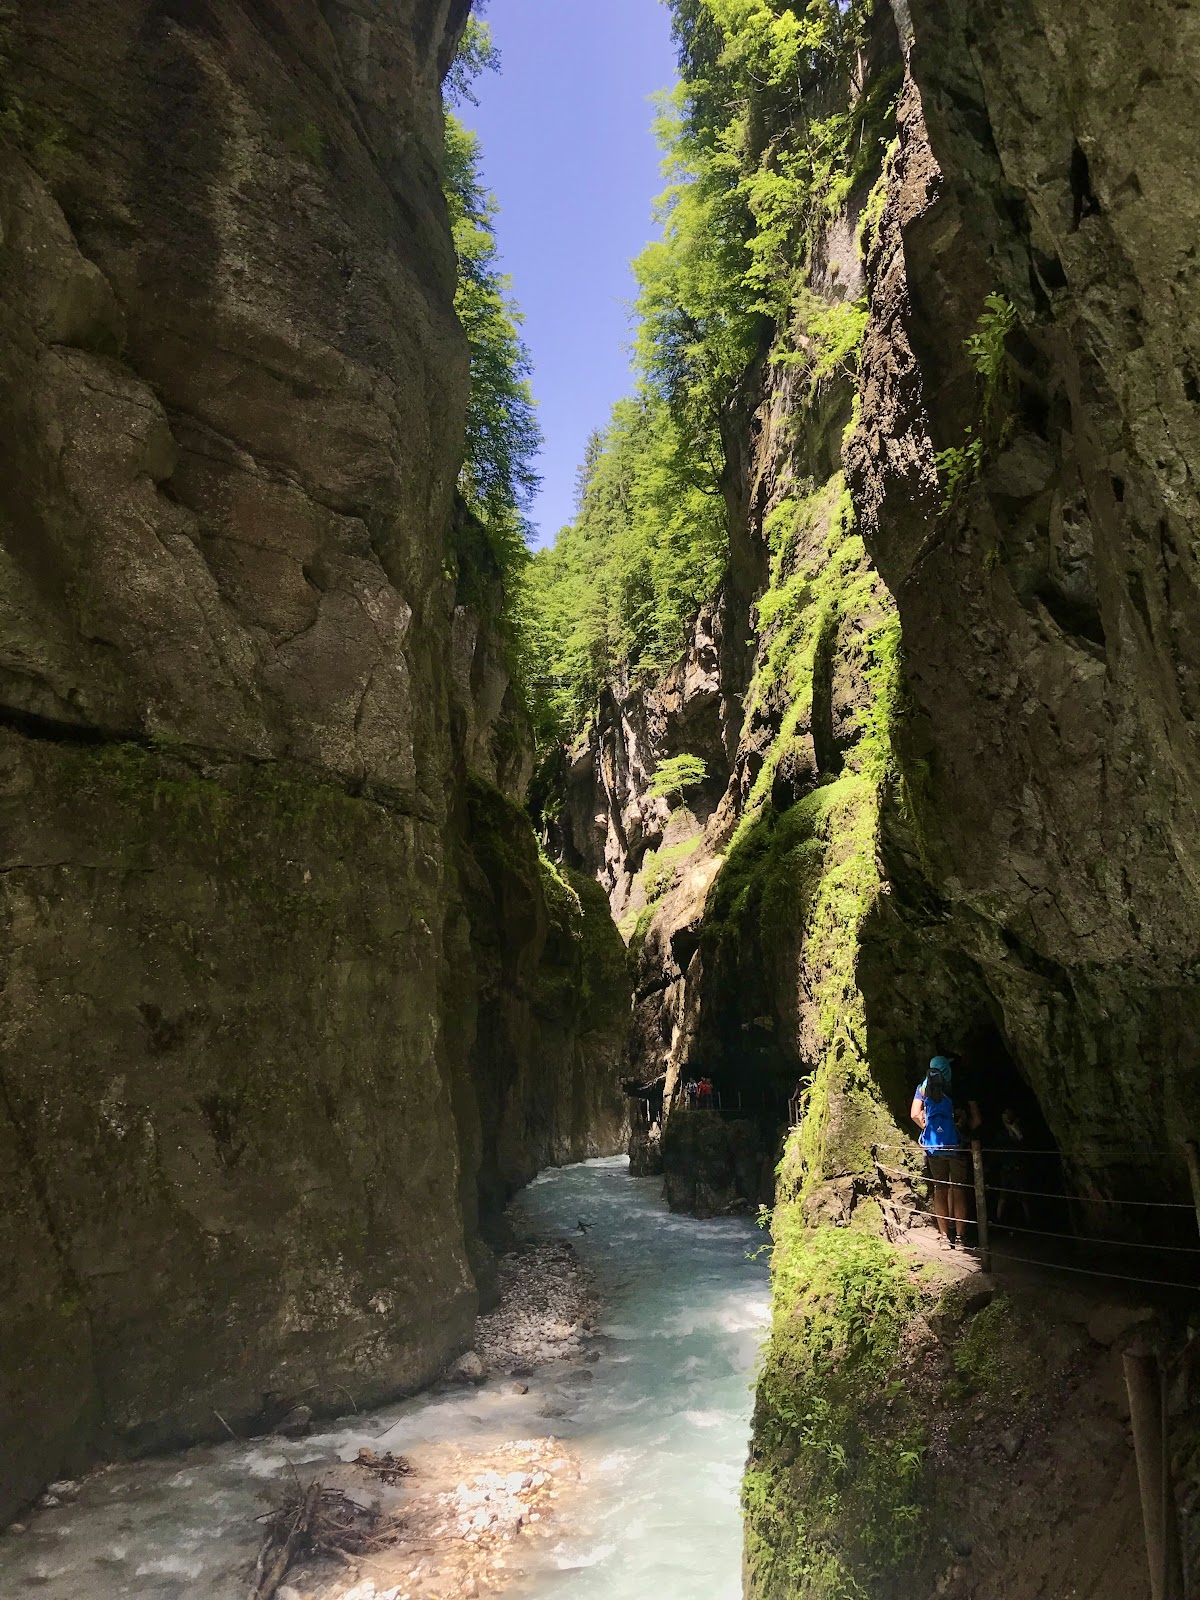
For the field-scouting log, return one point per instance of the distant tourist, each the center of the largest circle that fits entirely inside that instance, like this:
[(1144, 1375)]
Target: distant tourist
[(942, 1139)]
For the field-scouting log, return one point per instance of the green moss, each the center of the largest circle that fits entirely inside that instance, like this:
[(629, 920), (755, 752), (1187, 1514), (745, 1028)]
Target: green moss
[(581, 972), (833, 1497), (502, 836), (660, 868), (800, 185), (821, 589), (798, 885), (834, 1492), (605, 983), (562, 900), (872, 213), (656, 877), (259, 867), (1000, 1356), (635, 925), (43, 141), (305, 140), (206, 806)]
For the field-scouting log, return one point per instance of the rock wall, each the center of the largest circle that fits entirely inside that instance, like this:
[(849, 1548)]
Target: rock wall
[(960, 811), (253, 1116), (609, 822), (1049, 611), (1036, 824)]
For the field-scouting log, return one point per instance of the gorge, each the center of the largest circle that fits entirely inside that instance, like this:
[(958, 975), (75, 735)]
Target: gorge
[(858, 702)]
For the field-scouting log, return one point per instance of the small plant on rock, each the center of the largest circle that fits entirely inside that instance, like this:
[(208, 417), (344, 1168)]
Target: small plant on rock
[(674, 776), (959, 465)]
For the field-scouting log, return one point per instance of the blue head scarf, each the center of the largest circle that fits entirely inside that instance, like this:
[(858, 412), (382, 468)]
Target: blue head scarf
[(941, 1065)]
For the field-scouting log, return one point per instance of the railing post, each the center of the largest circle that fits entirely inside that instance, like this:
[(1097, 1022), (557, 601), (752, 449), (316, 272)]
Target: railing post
[(981, 1216), (1193, 1161), (1146, 1385)]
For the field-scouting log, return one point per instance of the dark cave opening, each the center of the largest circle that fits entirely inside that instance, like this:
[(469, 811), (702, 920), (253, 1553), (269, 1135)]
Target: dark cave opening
[(1022, 1163), (1094, 1220)]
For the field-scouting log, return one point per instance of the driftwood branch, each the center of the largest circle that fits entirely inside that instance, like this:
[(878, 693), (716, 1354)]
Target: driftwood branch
[(326, 1522), (283, 1542)]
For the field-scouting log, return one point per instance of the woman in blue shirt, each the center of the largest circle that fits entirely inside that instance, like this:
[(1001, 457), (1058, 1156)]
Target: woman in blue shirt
[(942, 1140)]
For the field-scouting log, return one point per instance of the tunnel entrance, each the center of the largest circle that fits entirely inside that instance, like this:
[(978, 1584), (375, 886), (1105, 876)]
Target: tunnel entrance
[(1021, 1162), (1108, 1233)]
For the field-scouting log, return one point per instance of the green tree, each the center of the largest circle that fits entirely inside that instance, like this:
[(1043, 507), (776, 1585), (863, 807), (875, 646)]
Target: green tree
[(498, 479), (477, 53), (676, 775), (769, 133)]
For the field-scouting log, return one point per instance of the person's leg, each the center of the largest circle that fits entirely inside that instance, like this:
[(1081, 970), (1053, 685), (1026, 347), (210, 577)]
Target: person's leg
[(958, 1197), (937, 1175)]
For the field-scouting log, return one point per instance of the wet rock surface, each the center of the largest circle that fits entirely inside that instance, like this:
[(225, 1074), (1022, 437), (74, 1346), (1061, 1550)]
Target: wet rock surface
[(454, 1530), (716, 1166)]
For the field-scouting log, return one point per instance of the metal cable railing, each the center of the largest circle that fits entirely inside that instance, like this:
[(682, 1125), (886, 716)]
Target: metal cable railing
[(1073, 1199), (983, 1191), (1148, 1373)]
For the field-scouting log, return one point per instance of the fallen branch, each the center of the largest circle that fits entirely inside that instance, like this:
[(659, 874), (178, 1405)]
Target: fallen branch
[(387, 1467), (280, 1548), (321, 1521)]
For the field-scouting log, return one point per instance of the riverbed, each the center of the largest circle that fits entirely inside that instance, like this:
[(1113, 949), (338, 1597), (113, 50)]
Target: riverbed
[(648, 1436)]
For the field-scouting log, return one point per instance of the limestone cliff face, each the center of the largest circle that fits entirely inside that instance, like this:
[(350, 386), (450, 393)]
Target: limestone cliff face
[(962, 788), (1035, 835), (610, 820), (1050, 613), (1033, 523), (728, 900), (247, 1089)]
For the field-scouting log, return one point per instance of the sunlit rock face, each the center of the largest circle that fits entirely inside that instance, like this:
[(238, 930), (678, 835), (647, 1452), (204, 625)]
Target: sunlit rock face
[(234, 382), (240, 1134), (611, 815)]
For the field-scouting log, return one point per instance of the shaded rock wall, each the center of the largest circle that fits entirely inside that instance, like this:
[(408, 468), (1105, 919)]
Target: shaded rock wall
[(1038, 830), (1049, 612), (550, 1005), (249, 1089)]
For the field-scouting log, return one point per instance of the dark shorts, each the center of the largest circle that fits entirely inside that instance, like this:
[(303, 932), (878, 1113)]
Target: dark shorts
[(947, 1168)]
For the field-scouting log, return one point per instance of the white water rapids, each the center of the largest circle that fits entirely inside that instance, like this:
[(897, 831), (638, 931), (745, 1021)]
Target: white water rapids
[(660, 1434)]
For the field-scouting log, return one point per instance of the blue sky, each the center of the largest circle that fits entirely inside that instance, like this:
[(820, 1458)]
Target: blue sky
[(568, 151)]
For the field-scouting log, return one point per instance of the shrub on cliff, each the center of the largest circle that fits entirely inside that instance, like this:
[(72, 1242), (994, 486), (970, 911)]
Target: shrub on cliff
[(675, 775)]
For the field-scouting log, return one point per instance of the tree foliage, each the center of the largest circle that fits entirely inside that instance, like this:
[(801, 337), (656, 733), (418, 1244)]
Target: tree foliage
[(769, 132), (498, 480), (678, 774), (477, 53), (622, 581)]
